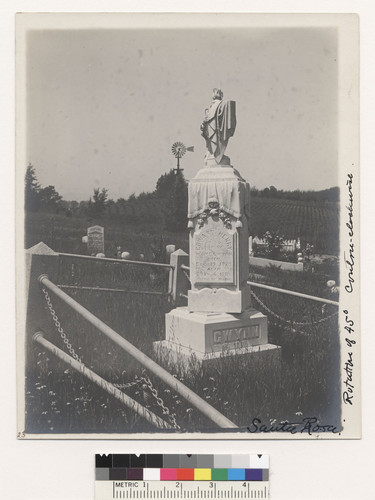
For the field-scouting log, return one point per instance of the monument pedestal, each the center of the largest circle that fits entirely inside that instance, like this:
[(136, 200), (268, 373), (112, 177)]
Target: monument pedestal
[(205, 337), (219, 256)]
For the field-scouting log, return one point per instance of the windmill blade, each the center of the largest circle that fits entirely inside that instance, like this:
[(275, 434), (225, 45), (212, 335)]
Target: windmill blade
[(178, 149), (190, 148)]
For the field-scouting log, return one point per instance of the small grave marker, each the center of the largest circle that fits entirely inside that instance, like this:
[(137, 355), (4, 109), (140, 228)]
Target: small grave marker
[(95, 240)]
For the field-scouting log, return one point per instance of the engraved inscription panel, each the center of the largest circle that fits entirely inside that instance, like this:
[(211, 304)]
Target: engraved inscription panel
[(236, 334), (214, 255)]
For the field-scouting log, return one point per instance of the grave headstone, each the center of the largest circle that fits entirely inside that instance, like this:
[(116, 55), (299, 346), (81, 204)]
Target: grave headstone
[(95, 240), (218, 319), (169, 249)]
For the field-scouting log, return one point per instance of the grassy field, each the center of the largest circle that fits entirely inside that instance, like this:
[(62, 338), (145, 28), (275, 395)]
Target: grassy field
[(61, 400), (64, 234)]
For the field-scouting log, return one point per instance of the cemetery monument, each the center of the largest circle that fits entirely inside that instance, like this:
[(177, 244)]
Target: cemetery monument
[(218, 319), (94, 240)]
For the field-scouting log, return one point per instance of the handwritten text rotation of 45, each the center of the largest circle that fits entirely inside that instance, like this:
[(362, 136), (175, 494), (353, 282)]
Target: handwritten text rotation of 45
[(349, 328)]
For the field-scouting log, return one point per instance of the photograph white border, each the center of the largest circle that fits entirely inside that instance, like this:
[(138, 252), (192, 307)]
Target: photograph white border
[(340, 470)]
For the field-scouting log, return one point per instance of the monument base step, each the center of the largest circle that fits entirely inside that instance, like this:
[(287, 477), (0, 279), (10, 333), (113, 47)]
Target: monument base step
[(215, 332), (184, 358)]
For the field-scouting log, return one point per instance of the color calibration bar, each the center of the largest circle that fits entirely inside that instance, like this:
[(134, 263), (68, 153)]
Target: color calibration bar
[(128, 467), (181, 476)]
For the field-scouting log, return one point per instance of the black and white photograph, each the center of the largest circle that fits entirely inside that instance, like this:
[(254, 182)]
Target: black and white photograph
[(187, 226)]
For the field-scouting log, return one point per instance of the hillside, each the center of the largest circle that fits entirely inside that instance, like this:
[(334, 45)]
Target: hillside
[(313, 222), (141, 221)]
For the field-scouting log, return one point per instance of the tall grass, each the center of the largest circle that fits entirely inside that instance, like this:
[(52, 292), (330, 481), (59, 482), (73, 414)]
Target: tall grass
[(64, 234), (59, 400), (242, 388)]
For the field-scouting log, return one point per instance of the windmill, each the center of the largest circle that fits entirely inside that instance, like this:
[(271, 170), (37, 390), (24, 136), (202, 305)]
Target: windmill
[(178, 150)]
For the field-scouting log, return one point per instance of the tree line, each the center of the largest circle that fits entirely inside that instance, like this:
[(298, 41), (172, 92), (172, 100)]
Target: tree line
[(166, 205), (168, 201), (326, 195)]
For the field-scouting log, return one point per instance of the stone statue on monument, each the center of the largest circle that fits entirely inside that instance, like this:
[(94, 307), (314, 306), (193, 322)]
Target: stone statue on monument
[(218, 126)]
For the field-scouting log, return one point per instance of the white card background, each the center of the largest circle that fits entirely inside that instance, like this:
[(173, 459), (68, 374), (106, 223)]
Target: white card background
[(298, 469)]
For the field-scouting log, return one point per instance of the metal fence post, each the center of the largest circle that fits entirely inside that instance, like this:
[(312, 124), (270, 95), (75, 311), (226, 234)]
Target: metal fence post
[(178, 283), (40, 259)]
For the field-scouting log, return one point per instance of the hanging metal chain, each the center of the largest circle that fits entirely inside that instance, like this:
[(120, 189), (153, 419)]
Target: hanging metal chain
[(159, 401), (59, 327), (145, 379), (147, 382), (280, 318), (128, 385), (69, 346)]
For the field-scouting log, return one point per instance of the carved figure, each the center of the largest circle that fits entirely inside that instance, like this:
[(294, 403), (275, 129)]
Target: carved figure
[(218, 126)]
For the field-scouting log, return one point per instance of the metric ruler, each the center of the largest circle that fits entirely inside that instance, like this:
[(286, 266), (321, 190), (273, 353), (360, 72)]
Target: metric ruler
[(231, 490), (178, 477)]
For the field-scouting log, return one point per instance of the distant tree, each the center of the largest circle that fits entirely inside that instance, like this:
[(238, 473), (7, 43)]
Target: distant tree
[(73, 205), (272, 192), (50, 199), (171, 188), (143, 196), (166, 184), (111, 207), (332, 194), (32, 188), (254, 192), (97, 204), (83, 205), (121, 204), (177, 204)]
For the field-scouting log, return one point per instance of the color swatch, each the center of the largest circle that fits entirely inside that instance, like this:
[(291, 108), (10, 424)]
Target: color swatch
[(123, 467)]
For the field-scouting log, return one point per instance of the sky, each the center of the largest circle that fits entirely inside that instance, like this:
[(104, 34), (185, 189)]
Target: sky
[(104, 106)]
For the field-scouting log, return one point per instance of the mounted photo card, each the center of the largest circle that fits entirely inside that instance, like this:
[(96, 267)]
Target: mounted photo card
[(188, 226)]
